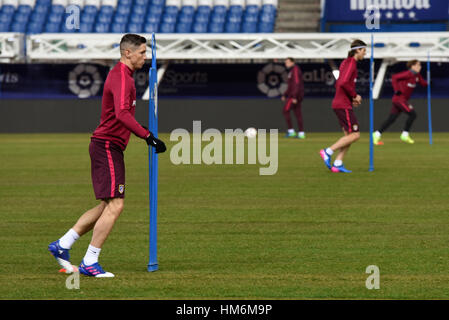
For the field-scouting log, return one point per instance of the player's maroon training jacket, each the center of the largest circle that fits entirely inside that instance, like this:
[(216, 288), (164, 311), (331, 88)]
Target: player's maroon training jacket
[(406, 83), (345, 85), (295, 89), (118, 108)]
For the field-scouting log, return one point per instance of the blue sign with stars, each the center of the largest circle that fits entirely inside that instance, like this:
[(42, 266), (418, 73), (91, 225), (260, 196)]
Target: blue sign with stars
[(386, 10)]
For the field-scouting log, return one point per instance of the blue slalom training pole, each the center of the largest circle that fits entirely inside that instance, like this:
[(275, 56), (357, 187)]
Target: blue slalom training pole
[(371, 107), (429, 98), (152, 159)]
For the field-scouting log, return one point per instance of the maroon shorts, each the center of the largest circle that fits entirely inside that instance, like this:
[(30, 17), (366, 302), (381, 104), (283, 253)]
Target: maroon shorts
[(107, 169), (399, 106), (347, 120)]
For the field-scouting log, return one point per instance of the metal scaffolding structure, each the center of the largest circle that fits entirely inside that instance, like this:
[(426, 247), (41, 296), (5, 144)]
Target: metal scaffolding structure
[(11, 47)]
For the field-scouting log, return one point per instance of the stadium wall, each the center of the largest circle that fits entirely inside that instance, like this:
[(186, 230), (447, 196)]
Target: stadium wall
[(65, 116)]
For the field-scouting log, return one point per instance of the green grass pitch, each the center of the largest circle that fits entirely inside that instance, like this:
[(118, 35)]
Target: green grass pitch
[(227, 233)]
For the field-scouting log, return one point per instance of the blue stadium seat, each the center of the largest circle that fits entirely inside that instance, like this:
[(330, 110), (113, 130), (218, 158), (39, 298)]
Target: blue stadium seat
[(57, 9), (4, 27), (199, 27), (104, 18), (235, 10), (167, 28), (35, 27), (143, 3), (24, 9), (118, 28), (135, 27), (155, 10), (168, 18), (201, 17), (125, 3), (8, 9), (251, 9), (158, 2), (101, 27), (106, 10), (171, 10), (86, 27), (217, 18), (43, 2), (187, 10), (21, 18), (18, 27), (249, 27), (268, 8), (54, 18), (137, 18), (123, 10), (264, 27), (52, 27), (90, 9), (266, 18), (120, 18), (215, 27), (153, 18), (41, 9), (204, 10), (187, 19), (36, 17), (5, 18), (151, 27), (138, 9), (87, 18), (183, 27), (232, 27), (219, 9)]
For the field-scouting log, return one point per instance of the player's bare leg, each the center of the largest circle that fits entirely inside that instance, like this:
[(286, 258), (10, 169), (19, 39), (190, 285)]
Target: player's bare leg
[(90, 266), (87, 221), (343, 145)]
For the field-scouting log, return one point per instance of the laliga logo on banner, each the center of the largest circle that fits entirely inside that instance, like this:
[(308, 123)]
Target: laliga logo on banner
[(85, 81), (272, 80)]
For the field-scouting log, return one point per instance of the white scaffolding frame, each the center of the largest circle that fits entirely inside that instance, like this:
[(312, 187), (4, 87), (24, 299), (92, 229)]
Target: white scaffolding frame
[(11, 47), (65, 47)]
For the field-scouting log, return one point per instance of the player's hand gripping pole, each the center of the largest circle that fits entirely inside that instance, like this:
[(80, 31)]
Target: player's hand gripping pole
[(153, 159)]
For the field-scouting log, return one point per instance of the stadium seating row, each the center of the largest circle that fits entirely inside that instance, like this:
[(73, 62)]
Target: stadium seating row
[(138, 16)]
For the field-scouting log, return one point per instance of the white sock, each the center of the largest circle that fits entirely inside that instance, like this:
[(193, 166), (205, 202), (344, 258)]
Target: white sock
[(301, 133), (338, 163), (377, 134), (291, 130), (67, 240), (329, 151), (405, 133), (91, 256)]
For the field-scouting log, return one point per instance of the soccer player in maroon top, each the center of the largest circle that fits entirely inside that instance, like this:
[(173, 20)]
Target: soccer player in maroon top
[(293, 98), (345, 99), (404, 83), (108, 142)]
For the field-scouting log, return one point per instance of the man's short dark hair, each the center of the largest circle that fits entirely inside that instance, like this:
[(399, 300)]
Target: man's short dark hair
[(291, 59), (411, 63), (131, 40)]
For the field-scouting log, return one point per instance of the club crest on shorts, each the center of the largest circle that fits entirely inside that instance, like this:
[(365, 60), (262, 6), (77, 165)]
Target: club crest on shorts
[(121, 188), (355, 127)]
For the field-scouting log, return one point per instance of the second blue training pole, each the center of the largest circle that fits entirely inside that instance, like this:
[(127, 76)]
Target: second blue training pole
[(371, 107), (429, 98)]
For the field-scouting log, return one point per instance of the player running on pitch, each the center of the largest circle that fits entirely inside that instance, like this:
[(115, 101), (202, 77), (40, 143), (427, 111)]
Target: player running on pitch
[(345, 99), (108, 142), (404, 83)]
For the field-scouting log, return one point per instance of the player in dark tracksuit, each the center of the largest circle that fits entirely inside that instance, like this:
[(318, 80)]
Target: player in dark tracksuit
[(404, 83), (108, 142), (345, 99), (293, 98)]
